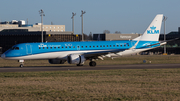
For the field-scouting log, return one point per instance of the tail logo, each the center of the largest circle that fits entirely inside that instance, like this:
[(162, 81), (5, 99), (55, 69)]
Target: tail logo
[(153, 30)]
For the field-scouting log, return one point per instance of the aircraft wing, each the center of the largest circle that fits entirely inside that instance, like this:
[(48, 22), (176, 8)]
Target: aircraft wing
[(95, 55)]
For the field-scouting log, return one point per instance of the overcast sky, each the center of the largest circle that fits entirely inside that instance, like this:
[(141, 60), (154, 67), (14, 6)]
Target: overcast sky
[(126, 16)]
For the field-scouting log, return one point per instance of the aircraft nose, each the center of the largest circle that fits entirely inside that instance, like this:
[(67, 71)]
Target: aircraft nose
[(3, 56)]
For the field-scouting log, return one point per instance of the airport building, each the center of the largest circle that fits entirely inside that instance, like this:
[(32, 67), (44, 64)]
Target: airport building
[(8, 39), (4, 26), (15, 32), (114, 36), (172, 47)]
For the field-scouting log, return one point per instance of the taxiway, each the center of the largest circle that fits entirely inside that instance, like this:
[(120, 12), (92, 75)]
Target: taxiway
[(100, 67)]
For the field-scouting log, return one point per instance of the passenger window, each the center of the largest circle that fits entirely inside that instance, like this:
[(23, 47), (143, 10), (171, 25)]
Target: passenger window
[(107, 45), (69, 46), (110, 45), (43, 47), (82, 46), (103, 45), (113, 45), (73, 46), (47, 47), (121, 45), (58, 47), (66, 46), (90, 46), (117, 45), (62, 47), (86, 46), (39, 47), (51, 47), (54, 47), (97, 46)]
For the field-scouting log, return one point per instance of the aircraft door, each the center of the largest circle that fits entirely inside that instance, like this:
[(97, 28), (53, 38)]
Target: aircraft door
[(28, 49)]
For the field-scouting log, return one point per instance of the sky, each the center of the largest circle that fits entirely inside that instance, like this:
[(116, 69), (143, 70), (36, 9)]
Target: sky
[(126, 16)]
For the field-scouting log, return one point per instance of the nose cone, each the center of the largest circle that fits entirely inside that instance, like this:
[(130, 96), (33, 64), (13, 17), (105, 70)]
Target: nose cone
[(3, 56)]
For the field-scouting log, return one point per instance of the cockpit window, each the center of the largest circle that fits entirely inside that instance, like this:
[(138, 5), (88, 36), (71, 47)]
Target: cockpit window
[(15, 48)]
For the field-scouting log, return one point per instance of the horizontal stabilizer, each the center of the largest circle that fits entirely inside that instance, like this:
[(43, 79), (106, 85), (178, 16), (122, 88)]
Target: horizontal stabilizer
[(162, 42)]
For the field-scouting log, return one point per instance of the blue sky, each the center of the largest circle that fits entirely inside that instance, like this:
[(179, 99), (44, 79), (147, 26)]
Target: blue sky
[(126, 16)]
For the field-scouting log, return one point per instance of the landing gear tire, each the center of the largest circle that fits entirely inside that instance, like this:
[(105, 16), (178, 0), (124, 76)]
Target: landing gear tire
[(79, 65), (21, 66), (92, 63), (21, 63)]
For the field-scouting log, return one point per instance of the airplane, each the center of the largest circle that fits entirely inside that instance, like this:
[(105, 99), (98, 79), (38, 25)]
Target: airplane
[(78, 52)]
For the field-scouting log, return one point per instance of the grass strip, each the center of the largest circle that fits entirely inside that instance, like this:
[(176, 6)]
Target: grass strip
[(124, 84)]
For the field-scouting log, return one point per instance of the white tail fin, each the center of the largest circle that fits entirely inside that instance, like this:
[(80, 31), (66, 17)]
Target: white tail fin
[(153, 31)]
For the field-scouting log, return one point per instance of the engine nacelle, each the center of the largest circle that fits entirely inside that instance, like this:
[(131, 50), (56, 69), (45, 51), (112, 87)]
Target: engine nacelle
[(76, 59), (56, 61)]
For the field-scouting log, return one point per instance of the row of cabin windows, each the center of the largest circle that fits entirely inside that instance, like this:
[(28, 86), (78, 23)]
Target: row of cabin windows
[(86, 46)]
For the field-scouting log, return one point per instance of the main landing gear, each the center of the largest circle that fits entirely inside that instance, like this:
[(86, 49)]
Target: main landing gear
[(21, 63), (92, 63)]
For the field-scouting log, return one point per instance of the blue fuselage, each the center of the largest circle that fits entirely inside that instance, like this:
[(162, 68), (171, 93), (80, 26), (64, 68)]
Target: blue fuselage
[(91, 47)]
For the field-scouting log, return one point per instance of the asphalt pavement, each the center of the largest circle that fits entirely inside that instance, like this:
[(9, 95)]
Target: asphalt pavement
[(99, 67)]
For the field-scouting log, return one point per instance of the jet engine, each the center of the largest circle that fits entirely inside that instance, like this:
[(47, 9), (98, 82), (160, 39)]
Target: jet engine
[(56, 61), (76, 59)]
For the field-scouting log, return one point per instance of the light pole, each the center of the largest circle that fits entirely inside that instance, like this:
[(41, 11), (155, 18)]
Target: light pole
[(82, 12), (41, 12), (73, 14), (164, 19)]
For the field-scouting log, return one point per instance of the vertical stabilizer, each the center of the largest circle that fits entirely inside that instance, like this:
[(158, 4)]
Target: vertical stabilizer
[(153, 31)]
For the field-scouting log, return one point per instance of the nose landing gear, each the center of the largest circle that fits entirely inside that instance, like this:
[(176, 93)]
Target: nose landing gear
[(21, 63)]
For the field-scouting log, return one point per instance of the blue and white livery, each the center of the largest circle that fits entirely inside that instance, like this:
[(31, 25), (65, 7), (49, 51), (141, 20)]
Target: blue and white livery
[(79, 52)]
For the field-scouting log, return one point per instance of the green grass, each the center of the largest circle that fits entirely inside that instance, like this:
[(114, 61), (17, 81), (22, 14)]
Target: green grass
[(141, 84)]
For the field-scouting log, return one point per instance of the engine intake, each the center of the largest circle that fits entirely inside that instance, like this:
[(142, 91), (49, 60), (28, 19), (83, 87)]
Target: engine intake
[(76, 59)]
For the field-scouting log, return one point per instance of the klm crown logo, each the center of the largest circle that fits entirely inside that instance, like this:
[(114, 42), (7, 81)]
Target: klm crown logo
[(153, 30)]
